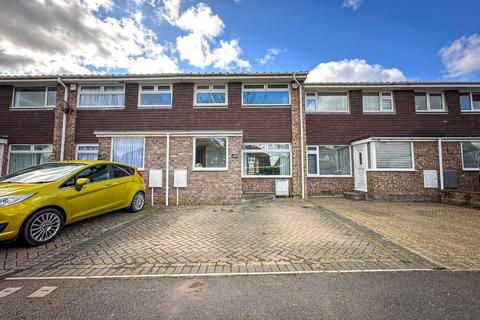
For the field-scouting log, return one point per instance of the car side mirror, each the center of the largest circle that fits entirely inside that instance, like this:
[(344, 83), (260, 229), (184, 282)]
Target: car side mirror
[(80, 183)]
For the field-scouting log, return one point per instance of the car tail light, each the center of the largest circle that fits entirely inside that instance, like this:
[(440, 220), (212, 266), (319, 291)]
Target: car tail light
[(140, 174)]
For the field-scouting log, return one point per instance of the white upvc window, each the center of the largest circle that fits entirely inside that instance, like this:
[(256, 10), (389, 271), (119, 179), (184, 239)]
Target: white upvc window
[(155, 96), (327, 102), (87, 151), (470, 101), (470, 155), (101, 96), (23, 156), (266, 160), (391, 156), (269, 94), (329, 161), (34, 97), (210, 95), (377, 102), (210, 153), (429, 102), (129, 150)]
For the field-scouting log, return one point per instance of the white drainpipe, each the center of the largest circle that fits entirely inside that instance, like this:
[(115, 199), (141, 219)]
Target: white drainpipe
[(302, 160), (440, 161), (64, 121), (167, 170)]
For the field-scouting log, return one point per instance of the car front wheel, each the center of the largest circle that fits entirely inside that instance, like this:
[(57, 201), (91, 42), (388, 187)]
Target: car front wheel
[(138, 202), (42, 226)]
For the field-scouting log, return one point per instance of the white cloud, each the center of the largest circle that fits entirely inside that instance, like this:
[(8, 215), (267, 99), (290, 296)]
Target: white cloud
[(354, 4), (462, 56), (270, 55), (68, 37), (200, 46), (355, 70)]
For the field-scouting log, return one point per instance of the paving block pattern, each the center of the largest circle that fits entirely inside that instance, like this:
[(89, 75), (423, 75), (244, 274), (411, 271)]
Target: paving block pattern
[(272, 237)]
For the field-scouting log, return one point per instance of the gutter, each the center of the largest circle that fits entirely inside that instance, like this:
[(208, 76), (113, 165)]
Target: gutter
[(302, 160), (440, 162), (167, 170), (64, 119)]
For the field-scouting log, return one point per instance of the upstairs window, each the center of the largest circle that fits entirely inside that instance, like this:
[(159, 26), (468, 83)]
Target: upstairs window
[(327, 102), (34, 97), (266, 95), (429, 102), (470, 101), (152, 96), (210, 95), (377, 101), (102, 96)]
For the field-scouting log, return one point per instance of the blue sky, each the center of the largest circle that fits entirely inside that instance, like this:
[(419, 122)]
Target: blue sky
[(347, 39)]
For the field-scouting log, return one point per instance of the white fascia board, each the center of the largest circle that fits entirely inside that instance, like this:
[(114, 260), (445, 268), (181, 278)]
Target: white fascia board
[(418, 139), (313, 87), (3, 141), (183, 79), (199, 133)]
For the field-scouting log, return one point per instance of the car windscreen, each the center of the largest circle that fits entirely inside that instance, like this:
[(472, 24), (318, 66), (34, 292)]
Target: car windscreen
[(43, 173)]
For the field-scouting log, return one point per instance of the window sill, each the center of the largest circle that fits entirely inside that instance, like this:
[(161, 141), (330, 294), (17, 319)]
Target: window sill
[(432, 112), (256, 106), (210, 169), (321, 112), (154, 107), (328, 176), (266, 177), (391, 170), (49, 108), (470, 169), (100, 108), (470, 111), (380, 112), (212, 106)]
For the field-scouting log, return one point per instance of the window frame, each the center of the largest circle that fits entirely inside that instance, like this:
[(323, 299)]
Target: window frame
[(317, 111), (210, 90), (102, 91), (429, 110), (126, 137), (266, 89), (85, 145), (461, 154), (318, 175), (31, 151), (244, 175), (380, 98), (194, 155), (155, 91), (372, 157), (45, 106), (470, 93)]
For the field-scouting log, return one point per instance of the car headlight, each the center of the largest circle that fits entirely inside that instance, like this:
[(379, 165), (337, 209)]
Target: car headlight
[(6, 201)]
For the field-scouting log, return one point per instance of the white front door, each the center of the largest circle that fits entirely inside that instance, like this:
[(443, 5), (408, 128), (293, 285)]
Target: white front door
[(360, 164)]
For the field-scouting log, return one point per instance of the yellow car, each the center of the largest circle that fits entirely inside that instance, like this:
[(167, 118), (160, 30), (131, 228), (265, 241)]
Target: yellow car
[(36, 203)]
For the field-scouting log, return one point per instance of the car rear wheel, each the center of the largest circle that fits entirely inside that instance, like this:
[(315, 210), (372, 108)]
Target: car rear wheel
[(138, 202), (42, 226)]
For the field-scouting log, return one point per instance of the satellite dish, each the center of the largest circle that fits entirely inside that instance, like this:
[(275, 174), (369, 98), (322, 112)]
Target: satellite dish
[(65, 106), (295, 86)]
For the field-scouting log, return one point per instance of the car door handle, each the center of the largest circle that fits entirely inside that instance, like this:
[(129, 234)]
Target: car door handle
[(107, 186)]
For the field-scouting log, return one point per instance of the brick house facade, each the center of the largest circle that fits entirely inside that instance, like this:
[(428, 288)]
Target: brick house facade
[(264, 140)]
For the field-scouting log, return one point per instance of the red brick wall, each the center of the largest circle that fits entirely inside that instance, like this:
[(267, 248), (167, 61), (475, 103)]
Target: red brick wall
[(324, 186), (4, 163)]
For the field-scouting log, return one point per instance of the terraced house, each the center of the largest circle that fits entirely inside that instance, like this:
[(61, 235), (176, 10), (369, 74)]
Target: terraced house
[(232, 135)]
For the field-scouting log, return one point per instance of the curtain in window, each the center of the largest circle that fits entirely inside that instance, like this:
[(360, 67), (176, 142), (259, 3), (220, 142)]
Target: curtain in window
[(87, 156), (332, 102), (128, 151), (394, 155), (20, 161), (89, 100), (371, 102)]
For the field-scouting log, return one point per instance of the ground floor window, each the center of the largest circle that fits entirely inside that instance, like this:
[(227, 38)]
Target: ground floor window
[(210, 154), (329, 160), (266, 159), (87, 152), (471, 155), (26, 155), (129, 151), (392, 155)]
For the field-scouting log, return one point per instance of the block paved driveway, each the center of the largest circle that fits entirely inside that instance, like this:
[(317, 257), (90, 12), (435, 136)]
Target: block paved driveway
[(278, 236)]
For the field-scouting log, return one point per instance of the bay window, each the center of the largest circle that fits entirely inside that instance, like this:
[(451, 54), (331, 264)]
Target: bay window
[(266, 160), (23, 156), (266, 94), (392, 155), (377, 101), (87, 152), (210, 95), (470, 101), (129, 151), (34, 97), (429, 102), (103, 96), (329, 161), (327, 102), (155, 96), (471, 155), (210, 154)]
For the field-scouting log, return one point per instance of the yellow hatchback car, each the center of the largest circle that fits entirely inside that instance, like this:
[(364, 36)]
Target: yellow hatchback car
[(35, 203)]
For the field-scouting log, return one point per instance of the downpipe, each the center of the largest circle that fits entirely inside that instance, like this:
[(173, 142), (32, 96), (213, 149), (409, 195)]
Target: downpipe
[(64, 120)]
